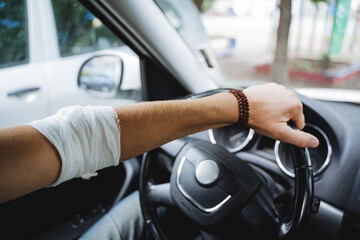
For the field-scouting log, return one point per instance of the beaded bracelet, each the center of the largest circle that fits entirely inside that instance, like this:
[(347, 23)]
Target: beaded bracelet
[(243, 106)]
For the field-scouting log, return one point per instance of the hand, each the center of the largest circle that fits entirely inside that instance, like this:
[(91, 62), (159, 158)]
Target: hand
[(272, 106)]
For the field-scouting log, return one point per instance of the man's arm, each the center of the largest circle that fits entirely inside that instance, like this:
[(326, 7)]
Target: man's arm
[(148, 125), (29, 161)]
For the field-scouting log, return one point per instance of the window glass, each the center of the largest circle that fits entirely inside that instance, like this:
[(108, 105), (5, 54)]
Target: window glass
[(316, 46), (79, 31), (13, 33)]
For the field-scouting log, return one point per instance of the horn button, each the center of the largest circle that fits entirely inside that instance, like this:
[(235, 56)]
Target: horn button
[(207, 172), (202, 182), (207, 198)]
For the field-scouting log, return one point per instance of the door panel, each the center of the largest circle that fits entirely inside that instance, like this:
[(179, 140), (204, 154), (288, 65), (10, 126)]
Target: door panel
[(79, 35), (22, 88), (22, 95), (64, 91)]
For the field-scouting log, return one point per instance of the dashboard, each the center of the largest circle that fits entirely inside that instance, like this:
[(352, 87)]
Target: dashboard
[(336, 163)]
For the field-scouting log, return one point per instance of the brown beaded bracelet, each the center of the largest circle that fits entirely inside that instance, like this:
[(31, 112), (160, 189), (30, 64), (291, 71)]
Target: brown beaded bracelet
[(243, 106)]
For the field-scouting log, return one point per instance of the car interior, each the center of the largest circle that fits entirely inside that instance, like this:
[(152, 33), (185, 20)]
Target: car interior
[(265, 189)]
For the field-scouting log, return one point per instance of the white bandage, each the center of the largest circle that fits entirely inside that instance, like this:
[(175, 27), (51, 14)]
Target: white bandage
[(87, 139)]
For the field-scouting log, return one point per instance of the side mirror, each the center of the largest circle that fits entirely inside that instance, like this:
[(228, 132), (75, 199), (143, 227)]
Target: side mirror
[(101, 75)]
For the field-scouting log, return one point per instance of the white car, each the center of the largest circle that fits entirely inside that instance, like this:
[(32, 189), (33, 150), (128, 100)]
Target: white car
[(43, 46)]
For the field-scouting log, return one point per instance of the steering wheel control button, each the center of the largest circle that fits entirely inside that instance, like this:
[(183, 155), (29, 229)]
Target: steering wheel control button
[(207, 172)]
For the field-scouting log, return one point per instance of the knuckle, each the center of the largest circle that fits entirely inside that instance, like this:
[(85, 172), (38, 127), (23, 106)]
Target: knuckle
[(301, 125), (290, 93), (298, 105)]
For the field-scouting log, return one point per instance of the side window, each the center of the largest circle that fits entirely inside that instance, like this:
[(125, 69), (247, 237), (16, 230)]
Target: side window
[(14, 42), (79, 31)]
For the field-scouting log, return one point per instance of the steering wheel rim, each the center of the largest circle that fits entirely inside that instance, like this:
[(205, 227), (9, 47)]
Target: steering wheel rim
[(163, 194)]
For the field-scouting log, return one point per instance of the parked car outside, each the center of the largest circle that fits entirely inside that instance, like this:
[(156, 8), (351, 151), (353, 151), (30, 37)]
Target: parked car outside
[(43, 45)]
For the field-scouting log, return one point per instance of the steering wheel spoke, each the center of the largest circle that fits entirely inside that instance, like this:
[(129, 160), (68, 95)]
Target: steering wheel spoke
[(205, 235), (219, 235), (159, 195)]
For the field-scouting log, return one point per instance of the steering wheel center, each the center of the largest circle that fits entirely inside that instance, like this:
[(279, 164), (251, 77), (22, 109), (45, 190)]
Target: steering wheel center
[(207, 172), (206, 178)]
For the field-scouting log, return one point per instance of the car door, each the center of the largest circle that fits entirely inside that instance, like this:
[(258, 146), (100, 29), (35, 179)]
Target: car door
[(23, 90), (75, 36)]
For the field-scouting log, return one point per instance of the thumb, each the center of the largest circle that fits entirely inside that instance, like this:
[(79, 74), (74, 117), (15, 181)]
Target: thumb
[(296, 137)]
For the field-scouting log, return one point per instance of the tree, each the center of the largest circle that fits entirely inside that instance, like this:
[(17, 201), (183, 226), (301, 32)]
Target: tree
[(203, 5), (280, 64), (198, 4)]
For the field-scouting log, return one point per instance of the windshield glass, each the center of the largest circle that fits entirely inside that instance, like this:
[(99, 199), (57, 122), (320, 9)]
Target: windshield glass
[(299, 43)]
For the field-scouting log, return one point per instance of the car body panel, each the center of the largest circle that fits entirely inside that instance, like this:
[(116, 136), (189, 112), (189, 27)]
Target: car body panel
[(53, 75)]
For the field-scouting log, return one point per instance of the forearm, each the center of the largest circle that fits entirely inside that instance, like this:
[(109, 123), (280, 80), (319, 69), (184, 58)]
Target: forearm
[(28, 161), (145, 126)]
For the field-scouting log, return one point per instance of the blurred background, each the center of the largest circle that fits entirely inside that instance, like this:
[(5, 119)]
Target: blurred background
[(317, 42)]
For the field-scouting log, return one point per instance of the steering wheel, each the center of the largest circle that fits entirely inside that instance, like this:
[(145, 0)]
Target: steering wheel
[(219, 193)]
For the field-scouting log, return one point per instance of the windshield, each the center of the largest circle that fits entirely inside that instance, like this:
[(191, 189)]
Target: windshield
[(299, 43)]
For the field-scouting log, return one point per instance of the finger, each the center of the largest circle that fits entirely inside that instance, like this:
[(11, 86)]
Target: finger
[(297, 137), (298, 117), (299, 121)]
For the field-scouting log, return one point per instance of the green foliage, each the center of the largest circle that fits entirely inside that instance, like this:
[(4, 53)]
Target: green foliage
[(78, 30), (13, 33), (203, 5), (207, 4)]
